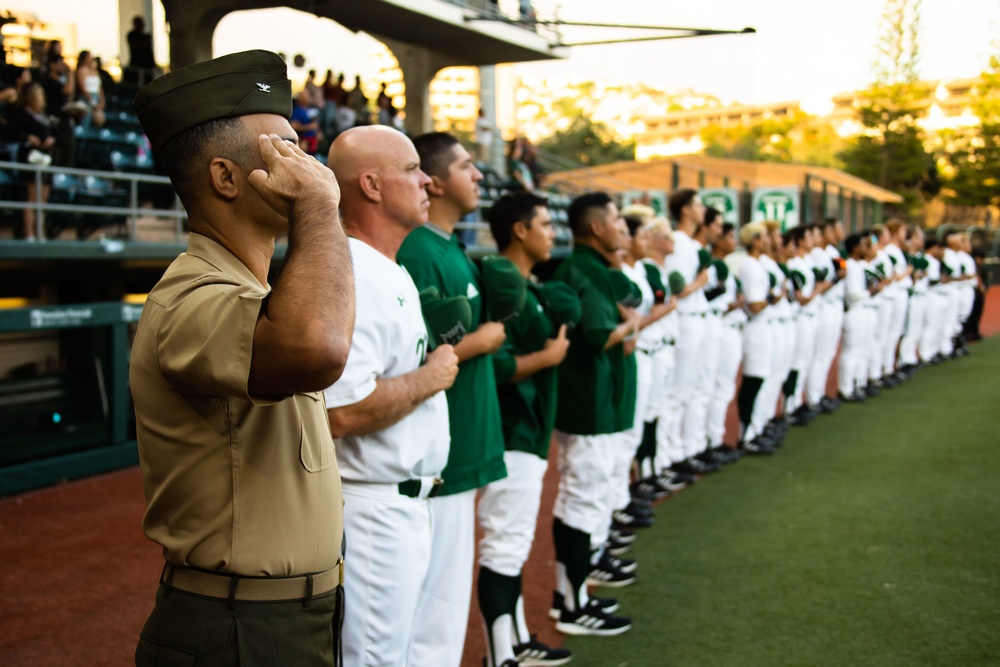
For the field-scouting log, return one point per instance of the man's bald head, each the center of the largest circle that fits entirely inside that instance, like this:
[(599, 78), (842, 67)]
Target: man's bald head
[(380, 178)]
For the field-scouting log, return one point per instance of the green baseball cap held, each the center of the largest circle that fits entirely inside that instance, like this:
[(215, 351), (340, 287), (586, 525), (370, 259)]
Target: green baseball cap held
[(561, 302), (627, 293), (504, 288), (704, 259), (721, 270), (448, 319), (676, 282)]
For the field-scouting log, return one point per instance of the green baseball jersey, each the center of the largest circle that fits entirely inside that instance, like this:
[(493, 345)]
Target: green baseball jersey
[(435, 258), (591, 387), (527, 407)]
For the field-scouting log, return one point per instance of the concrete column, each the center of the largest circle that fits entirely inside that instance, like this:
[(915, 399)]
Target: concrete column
[(192, 25), (419, 66)]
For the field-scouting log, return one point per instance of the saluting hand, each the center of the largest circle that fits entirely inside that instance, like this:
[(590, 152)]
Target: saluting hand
[(292, 178), (441, 367)]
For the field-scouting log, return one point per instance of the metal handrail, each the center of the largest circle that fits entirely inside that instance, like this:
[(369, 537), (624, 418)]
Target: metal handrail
[(133, 212)]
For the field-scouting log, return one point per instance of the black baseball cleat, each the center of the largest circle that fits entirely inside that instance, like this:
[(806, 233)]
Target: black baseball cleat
[(617, 548), (623, 535), (605, 605), (857, 397), (624, 519), (536, 654), (592, 621), (693, 466), (873, 389), (648, 488), (605, 573), (757, 447), (678, 475)]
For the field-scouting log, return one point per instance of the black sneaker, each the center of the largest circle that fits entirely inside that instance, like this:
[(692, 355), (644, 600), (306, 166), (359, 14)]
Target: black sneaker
[(626, 565), (639, 509), (727, 454), (592, 621), (536, 654), (623, 519), (616, 548), (668, 482), (623, 535), (679, 475), (605, 605), (757, 448), (648, 488), (606, 574), (693, 466)]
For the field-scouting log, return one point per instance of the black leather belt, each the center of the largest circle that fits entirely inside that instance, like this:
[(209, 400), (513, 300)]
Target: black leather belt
[(411, 488)]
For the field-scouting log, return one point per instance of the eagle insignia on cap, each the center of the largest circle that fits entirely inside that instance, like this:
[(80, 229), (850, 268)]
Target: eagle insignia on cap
[(264, 88)]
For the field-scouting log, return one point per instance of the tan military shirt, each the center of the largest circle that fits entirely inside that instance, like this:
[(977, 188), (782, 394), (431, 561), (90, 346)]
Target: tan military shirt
[(240, 484)]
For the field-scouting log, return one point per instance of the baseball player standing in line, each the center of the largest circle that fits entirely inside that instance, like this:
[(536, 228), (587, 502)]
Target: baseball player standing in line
[(435, 257), (758, 341), (525, 369), (691, 381), (734, 318), (590, 387), (388, 410), (827, 258), (859, 321)]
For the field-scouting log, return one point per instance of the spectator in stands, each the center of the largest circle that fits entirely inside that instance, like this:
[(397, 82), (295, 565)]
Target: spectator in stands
[(108, 84), (140, 45), (484, 137), (305, 121), (36, 145), (385, 111), (332, 94), (346, 116), (530, 158), (313, 88), (360, 103), (518, 171), (58, 84), (89, 90), (53, 52)]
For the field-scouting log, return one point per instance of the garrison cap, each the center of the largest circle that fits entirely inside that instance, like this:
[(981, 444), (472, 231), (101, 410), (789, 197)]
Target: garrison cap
[(561, 302), (447, 319), (239, 84), (504, 288)]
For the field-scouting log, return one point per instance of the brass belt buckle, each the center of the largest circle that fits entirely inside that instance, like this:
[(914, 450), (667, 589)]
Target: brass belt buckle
[(435, 487)]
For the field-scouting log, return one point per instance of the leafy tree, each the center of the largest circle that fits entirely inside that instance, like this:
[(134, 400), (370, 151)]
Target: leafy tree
[(974, 157), (587, 143), (799, 138), (890, 151)]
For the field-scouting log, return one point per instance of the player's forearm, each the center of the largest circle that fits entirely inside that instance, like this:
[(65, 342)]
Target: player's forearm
[(393, 399), (471, 346), (619, 334), (308, 320), (527, 365)]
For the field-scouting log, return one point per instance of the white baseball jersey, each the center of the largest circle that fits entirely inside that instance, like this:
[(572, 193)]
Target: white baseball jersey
[(684, 260), (856, 290), (837, 291), (390, 339), (756, 283)]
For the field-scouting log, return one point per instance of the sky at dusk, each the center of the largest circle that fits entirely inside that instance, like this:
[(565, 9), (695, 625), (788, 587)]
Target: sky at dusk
[(803, 50)]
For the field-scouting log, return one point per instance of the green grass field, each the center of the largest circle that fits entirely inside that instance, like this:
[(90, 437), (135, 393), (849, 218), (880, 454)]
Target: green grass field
[(871, 538)]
